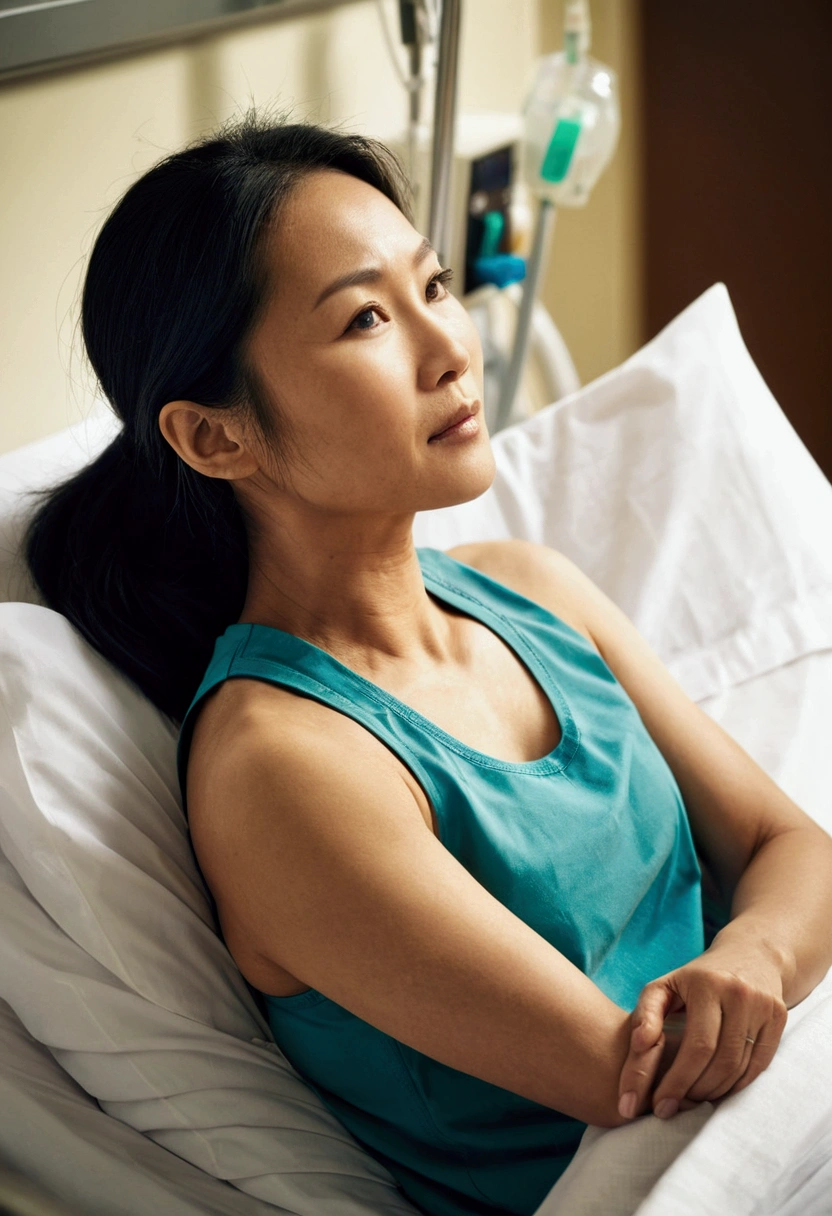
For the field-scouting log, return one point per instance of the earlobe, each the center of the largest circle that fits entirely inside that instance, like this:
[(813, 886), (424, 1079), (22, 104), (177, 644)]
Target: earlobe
[(206, 439)]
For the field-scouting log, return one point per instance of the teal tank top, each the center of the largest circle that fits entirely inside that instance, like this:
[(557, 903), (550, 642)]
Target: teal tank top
[(589, 845)]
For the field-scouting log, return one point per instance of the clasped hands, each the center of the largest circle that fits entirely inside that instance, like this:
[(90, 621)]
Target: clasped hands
[(702, 1032)]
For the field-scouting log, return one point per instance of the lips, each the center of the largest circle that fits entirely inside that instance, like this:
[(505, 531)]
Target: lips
[(464, 411)]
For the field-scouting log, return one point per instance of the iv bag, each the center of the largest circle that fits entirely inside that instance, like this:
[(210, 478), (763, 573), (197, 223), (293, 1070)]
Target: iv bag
[(571, 120)]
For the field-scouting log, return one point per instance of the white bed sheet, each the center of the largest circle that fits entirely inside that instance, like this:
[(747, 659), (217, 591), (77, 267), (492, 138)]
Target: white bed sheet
[(95, 1164), (768, 1150)]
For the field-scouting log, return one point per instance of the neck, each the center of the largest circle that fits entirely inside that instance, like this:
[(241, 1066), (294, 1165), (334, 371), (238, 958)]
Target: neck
[(352, 586)]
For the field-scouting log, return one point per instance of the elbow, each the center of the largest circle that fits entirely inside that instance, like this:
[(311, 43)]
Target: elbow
[(604, 1114), (599, 1101), (598, 1106)]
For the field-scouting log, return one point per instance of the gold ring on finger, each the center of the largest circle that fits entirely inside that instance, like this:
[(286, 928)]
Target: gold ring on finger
[(748, 1039)]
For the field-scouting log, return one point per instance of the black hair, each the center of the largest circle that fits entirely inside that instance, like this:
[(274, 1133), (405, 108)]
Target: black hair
[(145, 556)]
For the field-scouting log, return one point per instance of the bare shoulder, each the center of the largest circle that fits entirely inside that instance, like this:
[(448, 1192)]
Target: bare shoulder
[(256, 735), (242, 718), (536, 571)]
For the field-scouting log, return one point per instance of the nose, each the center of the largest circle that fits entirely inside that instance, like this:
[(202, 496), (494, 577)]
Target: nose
[(444, 354)]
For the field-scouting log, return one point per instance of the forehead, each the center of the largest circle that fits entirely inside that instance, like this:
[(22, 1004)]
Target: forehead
[(333, 223)]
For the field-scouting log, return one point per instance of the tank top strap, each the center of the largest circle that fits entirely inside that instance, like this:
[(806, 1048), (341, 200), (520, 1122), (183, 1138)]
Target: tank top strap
[(264, 653), (486, 598)]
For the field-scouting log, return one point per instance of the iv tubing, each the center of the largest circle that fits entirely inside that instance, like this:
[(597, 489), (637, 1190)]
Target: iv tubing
[(444, 114), (543, 230)]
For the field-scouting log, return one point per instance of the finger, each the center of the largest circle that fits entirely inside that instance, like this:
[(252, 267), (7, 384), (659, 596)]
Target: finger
[(732, 1055), (647, 1043), (718, 1092), (699, 1044), (637, 1077), (764, 1049), (758, 1061), (649, 1015)]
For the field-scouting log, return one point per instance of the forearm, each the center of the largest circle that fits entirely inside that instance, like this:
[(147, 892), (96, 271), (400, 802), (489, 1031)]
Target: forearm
[(783, 901), (776, 948)]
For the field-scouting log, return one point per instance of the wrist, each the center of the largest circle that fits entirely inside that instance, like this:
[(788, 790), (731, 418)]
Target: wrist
[(749, 937)]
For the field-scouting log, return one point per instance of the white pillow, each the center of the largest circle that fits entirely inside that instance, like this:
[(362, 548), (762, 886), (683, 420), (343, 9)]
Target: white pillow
[(55, 1133), (109, 954), (42, 463)]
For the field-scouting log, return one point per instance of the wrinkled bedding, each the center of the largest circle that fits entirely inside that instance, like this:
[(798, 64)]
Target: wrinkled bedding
[(768, 1150)]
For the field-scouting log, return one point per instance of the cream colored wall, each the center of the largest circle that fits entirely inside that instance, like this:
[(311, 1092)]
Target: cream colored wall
[(72, 141)]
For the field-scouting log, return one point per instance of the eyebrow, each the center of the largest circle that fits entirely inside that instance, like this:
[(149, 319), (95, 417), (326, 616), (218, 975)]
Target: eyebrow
[(369, 274)]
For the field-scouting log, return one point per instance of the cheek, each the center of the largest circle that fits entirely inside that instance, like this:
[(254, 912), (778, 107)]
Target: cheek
[(325, 393), (368, 380), (357, 406)]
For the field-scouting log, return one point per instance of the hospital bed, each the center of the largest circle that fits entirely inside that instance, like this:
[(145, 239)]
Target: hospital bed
[(137, 1073)]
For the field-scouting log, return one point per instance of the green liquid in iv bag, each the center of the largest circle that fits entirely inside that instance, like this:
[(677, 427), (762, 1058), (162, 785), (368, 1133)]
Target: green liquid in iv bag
[(561, 149)]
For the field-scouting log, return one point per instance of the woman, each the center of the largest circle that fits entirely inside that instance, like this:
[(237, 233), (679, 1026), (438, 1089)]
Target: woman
[(448, 805)]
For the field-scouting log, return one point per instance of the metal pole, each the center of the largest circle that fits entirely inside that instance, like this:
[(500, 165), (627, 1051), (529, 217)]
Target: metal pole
[(444, 114), (537, 260)]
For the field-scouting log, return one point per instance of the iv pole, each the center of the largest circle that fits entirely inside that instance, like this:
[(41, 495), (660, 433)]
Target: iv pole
[(444, 121), (444, 116), (522, 334)]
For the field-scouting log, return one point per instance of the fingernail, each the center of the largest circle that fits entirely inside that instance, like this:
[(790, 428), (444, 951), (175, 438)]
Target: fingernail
[(627, 1104), (666, 1108)]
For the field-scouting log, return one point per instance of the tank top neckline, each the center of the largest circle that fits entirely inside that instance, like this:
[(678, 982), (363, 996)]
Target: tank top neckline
[(554, 761)]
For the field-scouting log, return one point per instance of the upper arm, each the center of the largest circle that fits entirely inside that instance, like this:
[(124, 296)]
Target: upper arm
[(732, 804), (320, 860)]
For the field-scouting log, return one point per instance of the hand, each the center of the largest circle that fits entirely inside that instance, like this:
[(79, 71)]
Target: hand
[(734, 1018)]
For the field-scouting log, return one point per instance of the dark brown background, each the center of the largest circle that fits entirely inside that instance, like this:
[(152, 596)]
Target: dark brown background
[(738, 183)]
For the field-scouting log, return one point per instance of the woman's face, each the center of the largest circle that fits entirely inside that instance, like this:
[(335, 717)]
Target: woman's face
[(368, 356)]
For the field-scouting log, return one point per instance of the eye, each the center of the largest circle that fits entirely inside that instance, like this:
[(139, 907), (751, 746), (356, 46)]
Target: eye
[(361, 322), (439, 280), (434, 291)]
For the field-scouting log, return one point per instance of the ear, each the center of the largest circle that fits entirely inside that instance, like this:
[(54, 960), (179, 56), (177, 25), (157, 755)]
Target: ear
[(209, 440)]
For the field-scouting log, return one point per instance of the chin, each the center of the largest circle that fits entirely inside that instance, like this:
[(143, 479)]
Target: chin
[(469, 480)]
